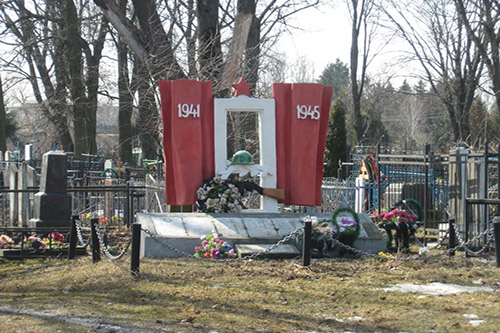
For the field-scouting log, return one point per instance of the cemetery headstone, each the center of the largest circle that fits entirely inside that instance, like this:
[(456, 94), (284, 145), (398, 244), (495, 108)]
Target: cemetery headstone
[(52, 203)]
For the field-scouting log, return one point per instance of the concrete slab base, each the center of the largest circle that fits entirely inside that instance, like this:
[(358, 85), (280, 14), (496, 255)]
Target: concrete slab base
[(183, 231), (283, 251)]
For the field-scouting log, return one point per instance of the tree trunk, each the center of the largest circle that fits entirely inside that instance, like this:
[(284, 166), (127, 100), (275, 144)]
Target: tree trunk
[(125, 100), (252, 49), (210, 51), (356, 92), (3, 122), (92, 82), (157, 42), (148, 121), (58, 101), (191, 40), (83, 142)]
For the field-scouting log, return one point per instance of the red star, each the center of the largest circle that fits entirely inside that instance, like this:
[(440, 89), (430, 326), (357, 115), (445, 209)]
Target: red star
[(242, 88)]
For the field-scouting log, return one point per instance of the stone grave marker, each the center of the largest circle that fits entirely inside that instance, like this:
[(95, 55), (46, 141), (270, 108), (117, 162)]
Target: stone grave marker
[(52, 203)]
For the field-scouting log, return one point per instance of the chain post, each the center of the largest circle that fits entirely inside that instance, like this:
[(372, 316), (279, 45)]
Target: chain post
[(306, 242), (426, 189), (72, 238), (136, 245), (379, 182), (468, 220), (496, 232), (96, 251), (452, 241)]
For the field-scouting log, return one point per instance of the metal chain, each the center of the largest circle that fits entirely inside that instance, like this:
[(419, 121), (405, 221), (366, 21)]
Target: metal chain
[(105, 248), (488, 233), (79, 234), (252, 256)]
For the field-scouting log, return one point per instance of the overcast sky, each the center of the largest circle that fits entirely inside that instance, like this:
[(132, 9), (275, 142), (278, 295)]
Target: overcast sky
[(326, 36)]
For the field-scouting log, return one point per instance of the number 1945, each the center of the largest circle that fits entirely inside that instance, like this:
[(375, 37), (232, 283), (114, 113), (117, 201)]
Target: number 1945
[(304, 111)]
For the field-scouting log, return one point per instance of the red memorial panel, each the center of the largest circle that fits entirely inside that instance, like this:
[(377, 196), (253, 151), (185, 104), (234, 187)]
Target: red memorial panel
[(302, 112), (188, 137)]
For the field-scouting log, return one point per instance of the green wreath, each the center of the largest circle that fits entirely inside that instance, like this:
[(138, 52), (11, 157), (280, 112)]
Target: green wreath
[(410, 204), (347, 231), (113, 171)]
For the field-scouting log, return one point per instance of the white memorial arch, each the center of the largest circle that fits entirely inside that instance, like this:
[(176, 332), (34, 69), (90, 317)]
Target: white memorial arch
[(265, 108)]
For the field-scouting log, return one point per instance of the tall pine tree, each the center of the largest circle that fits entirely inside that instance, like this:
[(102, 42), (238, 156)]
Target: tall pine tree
[(336, 139)]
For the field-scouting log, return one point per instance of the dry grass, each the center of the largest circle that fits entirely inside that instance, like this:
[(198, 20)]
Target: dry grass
[(277, 296)]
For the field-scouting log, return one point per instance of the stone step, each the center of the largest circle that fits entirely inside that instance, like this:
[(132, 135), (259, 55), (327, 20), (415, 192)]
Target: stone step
[(183, 231), (283, 251)]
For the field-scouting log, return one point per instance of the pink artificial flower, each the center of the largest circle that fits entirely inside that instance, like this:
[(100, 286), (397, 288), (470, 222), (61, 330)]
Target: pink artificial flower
[(398, 213), (389, 216)]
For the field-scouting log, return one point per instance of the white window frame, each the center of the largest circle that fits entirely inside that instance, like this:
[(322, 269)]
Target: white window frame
[(265, 108)]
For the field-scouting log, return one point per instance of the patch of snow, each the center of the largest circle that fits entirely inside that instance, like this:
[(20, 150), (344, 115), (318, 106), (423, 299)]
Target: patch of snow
[(436, 288), (476, 322), (470, 316)]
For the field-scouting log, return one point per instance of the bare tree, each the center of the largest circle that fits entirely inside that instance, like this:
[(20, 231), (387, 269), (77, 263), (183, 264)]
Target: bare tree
[(205, 40), (32, 44), (411, 122), (450, 60), (3, 122), (302, 70), (58, 59), (362, 33), (481, 19)]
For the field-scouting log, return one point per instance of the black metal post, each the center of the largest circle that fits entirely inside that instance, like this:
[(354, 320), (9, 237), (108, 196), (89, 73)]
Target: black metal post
[(136, 245), (496, 232), (72, 238), (129, 204), (96, 250), (379, 185), (498, 183), (468, 218), (485, 217), (426, 189), (306, 244), (452, 238)]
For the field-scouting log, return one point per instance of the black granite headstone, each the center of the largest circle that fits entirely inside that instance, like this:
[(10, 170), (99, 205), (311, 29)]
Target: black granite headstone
[(53, 203)]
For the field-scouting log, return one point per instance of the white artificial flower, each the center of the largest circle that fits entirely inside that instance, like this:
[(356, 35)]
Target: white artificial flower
[(210, 203)]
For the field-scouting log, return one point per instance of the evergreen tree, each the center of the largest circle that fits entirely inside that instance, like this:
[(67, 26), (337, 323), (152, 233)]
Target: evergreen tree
[(336, 139), (335, 75)]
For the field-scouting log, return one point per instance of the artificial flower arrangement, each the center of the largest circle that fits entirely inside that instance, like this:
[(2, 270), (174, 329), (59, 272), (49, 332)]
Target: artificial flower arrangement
[(103, 221), (347, 223), (6, 242), (343, 226), (34, 242), (397, 216), (218, 196), (55, 239), (400, 221), (213, 247), (322, 236)]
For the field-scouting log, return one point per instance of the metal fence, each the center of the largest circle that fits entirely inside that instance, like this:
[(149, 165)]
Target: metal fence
[(437, 181)]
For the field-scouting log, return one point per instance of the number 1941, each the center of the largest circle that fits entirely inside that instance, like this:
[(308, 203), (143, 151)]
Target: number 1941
[(186, 110)]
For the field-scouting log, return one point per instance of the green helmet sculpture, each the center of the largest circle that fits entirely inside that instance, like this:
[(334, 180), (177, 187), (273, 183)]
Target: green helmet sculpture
[(242, 157)]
